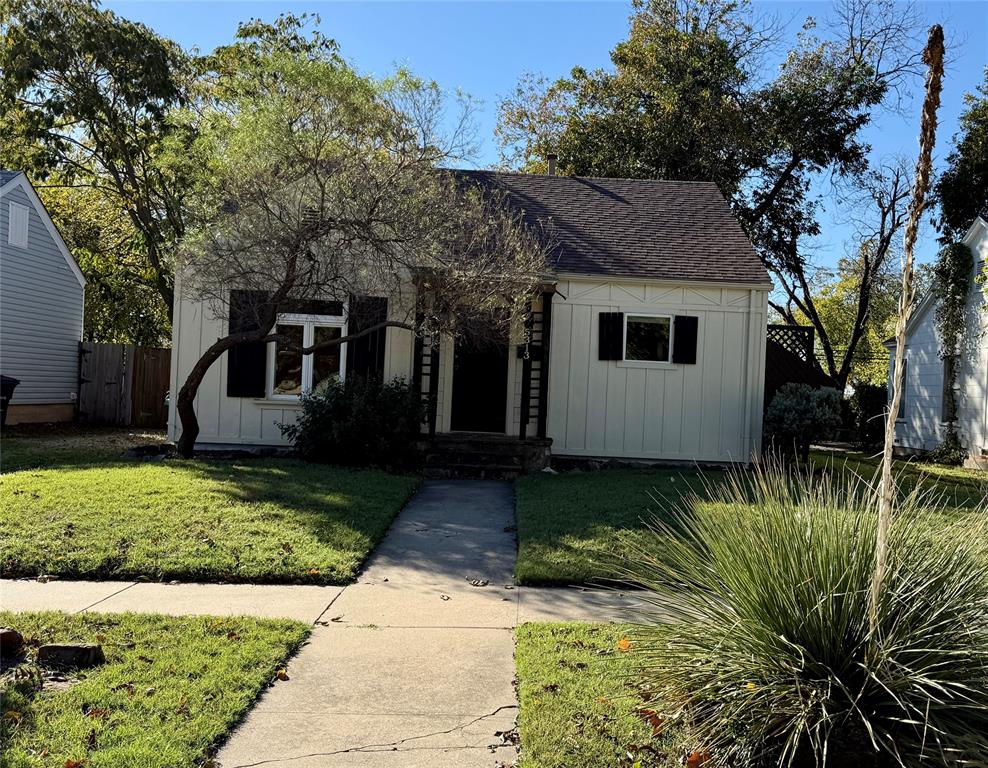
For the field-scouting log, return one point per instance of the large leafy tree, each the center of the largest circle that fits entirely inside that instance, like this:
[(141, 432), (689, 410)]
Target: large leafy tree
[(122, 306), (323, 184), (962, 189), (686, 98), (89, 100)]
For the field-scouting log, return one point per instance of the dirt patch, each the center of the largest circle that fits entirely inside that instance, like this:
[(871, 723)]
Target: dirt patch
[(75, 437)]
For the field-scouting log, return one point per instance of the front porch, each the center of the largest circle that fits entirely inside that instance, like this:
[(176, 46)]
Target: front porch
[(495, 388)]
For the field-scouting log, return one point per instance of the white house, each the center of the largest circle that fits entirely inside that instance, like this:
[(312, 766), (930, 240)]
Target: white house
[(41, 307), (920, 426), (648, 343)]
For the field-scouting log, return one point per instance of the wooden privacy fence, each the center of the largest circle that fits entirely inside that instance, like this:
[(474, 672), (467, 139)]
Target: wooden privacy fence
[(123, 384)]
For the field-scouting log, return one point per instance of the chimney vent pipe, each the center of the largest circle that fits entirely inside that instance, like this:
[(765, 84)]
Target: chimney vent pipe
[(552, 163)]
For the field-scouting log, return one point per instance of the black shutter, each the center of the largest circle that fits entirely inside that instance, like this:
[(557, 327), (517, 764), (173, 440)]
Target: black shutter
[(684, 339), (365, 356), (611, 338), (246, 363)]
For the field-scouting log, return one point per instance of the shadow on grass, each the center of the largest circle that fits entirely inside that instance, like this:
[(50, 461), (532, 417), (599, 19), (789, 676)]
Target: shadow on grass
[(265, 520)]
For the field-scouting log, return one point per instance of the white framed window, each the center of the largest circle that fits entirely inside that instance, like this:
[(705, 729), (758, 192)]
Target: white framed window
[(290, 373), (17, 225), (648, 338)]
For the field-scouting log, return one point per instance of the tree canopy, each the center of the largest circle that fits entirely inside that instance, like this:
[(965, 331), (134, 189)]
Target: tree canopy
[(962, 189), (90, 100), (323, 184), (687, 98)]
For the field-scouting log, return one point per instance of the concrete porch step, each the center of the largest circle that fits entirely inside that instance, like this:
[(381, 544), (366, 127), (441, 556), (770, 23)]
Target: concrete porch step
[(465, 454)]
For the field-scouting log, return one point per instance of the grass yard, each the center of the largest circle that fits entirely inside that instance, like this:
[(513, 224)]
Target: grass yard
[(579, 705), (573, 527), (171, 688), (963, 490), (258, 520)]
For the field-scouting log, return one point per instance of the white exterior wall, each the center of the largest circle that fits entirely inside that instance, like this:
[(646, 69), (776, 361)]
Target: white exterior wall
[(244, 420), (709, 411), (41, 306), (921, 426)]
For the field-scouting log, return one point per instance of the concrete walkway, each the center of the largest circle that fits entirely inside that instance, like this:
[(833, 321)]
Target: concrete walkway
[(411, 666)]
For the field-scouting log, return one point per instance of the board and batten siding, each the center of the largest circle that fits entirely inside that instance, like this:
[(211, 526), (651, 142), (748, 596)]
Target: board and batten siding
[(709, 411), (41, 311), (243, 420), (920, 425)]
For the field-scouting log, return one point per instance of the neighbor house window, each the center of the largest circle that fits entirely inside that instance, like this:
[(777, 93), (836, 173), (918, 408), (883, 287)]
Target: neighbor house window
[(290, 373), (948, 397), (17, 224), (648, 338)]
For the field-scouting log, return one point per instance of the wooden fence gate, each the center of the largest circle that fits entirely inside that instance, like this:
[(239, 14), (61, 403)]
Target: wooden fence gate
[(123, 384)]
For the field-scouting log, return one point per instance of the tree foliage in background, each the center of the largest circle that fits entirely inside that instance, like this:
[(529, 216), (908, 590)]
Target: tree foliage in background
[(122, 305), (685, 99), (837, 302), (90, 101), (962, 189)]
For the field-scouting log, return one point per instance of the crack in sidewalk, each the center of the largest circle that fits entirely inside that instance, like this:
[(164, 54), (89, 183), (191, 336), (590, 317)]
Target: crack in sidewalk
[(392, 746)]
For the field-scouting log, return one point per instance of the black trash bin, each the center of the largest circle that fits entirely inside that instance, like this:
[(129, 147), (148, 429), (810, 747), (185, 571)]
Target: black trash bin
[(7, 386)]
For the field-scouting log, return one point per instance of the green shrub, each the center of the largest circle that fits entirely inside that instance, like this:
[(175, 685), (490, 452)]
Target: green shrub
[(757, 643), (361, 422), (868, 405), (949, 452), (800, 414)]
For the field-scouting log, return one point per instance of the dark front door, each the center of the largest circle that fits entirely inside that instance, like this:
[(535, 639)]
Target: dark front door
[(480, 386)]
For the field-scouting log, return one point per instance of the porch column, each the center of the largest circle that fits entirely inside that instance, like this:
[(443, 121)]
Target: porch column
[(526, 376), (544, 362)]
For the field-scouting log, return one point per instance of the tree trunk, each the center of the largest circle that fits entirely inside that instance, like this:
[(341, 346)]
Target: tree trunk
[(185, 405), (933, 58)]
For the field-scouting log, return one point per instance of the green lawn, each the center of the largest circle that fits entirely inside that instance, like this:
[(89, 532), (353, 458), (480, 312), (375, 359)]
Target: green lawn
[(171, 688), (579, 704), (963, 490), (263, 520), (571, 525), (575, 527)]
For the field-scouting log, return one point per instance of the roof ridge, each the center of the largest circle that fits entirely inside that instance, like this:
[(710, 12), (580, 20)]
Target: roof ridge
[(587, 178)]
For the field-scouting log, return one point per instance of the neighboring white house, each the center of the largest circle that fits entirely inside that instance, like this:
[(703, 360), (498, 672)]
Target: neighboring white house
[(920, 426), (41, 307), (653, 326)]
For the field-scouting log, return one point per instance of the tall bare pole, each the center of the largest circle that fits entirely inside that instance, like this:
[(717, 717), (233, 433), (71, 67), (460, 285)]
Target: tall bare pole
[(933, 58)]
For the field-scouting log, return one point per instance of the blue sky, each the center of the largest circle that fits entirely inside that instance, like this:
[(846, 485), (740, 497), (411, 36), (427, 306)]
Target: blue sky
[(483, 47)]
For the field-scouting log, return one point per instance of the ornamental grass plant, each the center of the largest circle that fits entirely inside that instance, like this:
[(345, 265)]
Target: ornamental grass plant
[(756, 647)]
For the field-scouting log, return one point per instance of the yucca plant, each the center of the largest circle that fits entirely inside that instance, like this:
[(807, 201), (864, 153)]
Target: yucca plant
[(755, 642)]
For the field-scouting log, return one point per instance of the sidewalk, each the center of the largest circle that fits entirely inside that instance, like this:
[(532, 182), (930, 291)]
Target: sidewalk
[(411, 666)]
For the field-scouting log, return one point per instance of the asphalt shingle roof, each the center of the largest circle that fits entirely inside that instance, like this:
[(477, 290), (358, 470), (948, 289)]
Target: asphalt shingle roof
[(6, 176), (660, 230)]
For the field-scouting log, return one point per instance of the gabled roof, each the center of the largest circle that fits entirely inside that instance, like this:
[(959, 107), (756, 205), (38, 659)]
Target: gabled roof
[(658, 230), (11, 179)]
